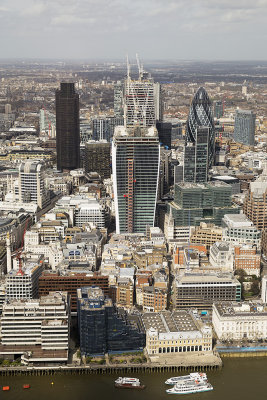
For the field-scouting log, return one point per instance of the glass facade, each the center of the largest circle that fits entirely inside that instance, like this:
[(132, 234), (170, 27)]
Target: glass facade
[(196, 157), (135, 163), (195, 203), (103, 327), (201, 115), (245, 127), (67, 127)]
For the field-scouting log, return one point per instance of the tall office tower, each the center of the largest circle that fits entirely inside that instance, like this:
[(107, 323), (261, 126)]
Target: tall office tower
[(8, 108), (142, 101), (103, 128), (200, 114), (196, 157), (135, 166), (68, 127), (245, 127), (32, 183), (47, 123), (218, 109), (97, 158), (165, 133), (118, 99)]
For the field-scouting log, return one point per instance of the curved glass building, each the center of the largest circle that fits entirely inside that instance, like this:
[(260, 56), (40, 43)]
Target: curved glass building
[(200, 115)]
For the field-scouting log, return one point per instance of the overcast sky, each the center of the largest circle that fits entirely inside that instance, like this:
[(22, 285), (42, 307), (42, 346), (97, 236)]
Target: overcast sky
[(155, 29)]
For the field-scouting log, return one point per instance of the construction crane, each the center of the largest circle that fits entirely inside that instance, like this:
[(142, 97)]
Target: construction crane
[(48, 121)]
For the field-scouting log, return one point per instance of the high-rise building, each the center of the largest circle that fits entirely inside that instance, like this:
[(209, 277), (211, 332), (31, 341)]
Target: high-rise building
[(245, 127), (201, 115), (165, 133), (8, 108), (97, 158), (118, 99), (103, 128), (142, 100), (47, 123), (218, 109), (32, 183), (196, 157), (67, 127), (135, 165)]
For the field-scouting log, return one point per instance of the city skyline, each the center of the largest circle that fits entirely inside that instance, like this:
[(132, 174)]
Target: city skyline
[(233, 30)]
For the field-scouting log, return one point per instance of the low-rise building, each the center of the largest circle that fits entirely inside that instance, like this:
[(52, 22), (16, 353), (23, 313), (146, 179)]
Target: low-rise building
[(151, 298), (247, 259), (175, 332), (201, 289), (206, 234), (237, 321), (237, 228), (37, 329), (23, 283), (104, 328), (70, 281)]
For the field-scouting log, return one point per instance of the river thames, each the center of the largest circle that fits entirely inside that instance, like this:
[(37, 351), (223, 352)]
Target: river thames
[(242, 378)]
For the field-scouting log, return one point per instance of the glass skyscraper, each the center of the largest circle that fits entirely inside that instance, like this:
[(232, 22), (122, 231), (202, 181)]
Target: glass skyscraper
[(245, 127), (142, 101), (196, 157), (67, 127), (201, 115), (135, 165)]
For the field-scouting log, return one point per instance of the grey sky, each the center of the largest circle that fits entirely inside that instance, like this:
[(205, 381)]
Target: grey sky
[(156, 29)]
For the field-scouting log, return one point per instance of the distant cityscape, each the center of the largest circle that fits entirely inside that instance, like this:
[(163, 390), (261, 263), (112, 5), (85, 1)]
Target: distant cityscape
[(133, 212)]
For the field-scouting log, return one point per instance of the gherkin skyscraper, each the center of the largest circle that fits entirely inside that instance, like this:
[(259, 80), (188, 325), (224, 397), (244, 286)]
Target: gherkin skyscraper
[(200, 115)]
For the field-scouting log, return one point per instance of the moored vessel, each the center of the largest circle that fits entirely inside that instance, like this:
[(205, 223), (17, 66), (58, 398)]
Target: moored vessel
[(201, 376), (190, 387), (26, 386), (128, 383)]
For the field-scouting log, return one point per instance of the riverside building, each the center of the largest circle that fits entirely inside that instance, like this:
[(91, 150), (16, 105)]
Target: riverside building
[(104, 328), (176, 332), (237, 321), (38, 329)]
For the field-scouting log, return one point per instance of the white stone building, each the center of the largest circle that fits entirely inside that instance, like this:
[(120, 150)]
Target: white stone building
[(237, 321)]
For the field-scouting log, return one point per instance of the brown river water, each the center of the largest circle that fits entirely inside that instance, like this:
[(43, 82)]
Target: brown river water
[(242, 378)]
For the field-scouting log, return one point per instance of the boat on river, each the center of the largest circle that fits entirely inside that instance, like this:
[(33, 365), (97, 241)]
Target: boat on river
[(189, 387), (128, 383), (201, 376)]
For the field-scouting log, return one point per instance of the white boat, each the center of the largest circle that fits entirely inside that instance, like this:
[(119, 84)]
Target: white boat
[(190, 387), (201, 376), (128, 383)]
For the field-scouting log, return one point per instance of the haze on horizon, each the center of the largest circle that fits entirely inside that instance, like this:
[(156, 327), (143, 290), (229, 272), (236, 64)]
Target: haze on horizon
[(156, 29)]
